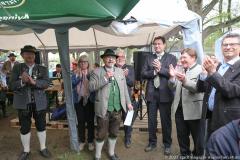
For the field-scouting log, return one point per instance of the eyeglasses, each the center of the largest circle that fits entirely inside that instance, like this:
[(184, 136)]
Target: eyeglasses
[(82, 62), (157, 44), (230, 44)]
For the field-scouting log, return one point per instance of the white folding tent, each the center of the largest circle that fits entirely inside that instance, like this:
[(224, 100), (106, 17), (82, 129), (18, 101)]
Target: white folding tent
[(81, 39), (150, 18)]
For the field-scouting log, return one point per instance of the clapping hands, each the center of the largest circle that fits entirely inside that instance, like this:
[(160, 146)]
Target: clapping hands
[(157, 65), (27, 79), (125, 71), (209, 65), (174, 73)]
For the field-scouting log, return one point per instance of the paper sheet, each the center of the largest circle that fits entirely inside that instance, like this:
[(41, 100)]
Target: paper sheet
[(129, 117)]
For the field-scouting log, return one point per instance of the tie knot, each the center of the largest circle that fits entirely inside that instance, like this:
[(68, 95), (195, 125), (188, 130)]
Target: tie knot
[(224, 65)]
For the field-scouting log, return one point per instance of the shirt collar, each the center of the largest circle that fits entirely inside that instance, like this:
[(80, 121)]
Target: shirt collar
[(109, 69), (192, 66), (159, 54), (31, 66), (232, 61)]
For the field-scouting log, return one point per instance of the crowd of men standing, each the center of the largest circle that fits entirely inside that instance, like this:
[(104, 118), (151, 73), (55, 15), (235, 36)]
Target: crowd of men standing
[(199, 96)]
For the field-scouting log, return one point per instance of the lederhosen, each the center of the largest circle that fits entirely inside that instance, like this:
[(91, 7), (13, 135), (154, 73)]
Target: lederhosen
[(111, 122)]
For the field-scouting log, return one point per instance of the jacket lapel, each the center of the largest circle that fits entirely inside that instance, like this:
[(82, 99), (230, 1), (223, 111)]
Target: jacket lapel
[(102, 72), (35, 68), (116, 75), (163, 57), (193, 67), (154, 56), (23, 67), (232, 71)]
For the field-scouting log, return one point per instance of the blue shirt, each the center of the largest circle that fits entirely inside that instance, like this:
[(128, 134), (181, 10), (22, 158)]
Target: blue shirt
[(222, 70)]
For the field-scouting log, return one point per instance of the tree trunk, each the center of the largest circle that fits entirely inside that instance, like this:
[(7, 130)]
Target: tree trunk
[(220, 13), (206, 9), (195, 5), (214, 28), (229, 12)]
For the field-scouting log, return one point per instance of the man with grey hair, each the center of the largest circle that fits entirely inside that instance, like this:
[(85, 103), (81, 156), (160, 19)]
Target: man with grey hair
[(221, 84), (129, 75)]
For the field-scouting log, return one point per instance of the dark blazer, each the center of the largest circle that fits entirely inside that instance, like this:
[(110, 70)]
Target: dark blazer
[(54, 74), (129, 78), (21, 95), (227, 97), (75, 82), (225, 141), (165, 94)]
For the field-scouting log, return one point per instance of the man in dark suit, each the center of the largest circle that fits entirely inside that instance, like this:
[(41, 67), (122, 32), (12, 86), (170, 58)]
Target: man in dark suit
[(158, 94), (58, 72), (28, 81), (129, 74), (221, 84)]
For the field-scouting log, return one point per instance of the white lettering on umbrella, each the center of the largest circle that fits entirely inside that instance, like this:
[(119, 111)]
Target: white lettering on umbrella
[(11, 3), (15, 17)]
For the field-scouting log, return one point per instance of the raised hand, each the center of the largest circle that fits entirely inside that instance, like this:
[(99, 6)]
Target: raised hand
[(125, 71), (204, 71), (181, 76), (130, 107), (109, 74), (25, 77), (172, 71), (209, 65), (31, 80), (157, 65)]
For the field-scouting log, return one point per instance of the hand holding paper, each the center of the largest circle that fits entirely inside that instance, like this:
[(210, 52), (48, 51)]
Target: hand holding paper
[(129, 117)]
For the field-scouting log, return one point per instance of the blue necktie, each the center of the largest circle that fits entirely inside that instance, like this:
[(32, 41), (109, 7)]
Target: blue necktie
[(223, 68)]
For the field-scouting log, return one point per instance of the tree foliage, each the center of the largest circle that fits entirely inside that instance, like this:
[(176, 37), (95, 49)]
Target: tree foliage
[(220, 22)]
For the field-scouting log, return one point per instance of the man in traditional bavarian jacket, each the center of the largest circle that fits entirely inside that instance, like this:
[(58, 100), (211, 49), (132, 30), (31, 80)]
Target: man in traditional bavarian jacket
[(112, 96), (28, 81)]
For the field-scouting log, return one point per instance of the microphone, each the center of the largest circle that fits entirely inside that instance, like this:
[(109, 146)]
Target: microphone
[(110, 79)]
